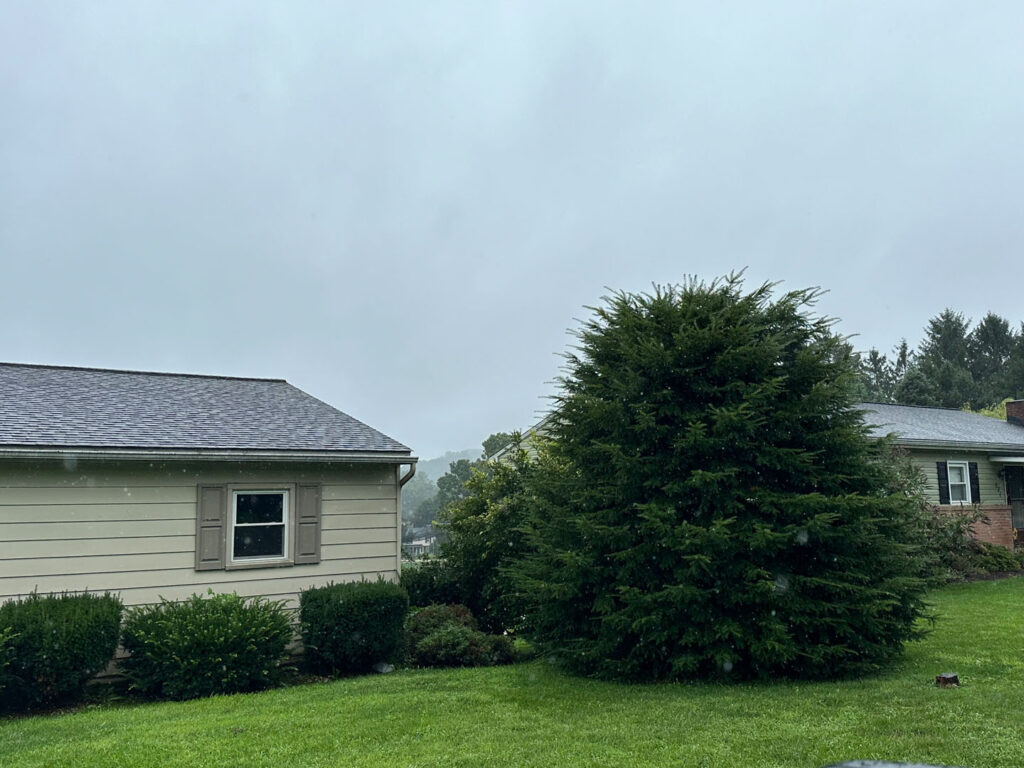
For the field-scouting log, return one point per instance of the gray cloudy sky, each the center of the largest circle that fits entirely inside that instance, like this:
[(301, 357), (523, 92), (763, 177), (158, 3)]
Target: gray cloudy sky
[(401, 207)]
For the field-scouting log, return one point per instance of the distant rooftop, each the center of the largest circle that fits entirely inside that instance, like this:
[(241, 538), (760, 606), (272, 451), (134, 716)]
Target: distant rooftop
[(65, 407), (921, 425)]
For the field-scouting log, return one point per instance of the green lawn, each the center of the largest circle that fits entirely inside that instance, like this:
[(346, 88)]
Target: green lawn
[(528, 715)]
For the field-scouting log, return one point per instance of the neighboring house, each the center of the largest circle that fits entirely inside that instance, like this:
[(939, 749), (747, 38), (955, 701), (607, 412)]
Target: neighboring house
[(158, 485), (967, 459), (421, 541)]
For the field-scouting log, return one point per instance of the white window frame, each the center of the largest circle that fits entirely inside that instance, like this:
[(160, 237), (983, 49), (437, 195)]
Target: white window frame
[(967, 481), (286, 514)]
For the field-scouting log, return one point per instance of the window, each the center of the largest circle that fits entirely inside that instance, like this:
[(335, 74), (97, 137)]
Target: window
[(959, 483), (259, 525)]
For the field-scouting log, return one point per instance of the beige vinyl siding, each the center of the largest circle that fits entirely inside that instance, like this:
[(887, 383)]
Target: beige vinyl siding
[(130, 528), (992, 489)]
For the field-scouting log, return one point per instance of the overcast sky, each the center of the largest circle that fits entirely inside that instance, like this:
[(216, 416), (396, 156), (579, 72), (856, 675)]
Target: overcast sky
[(400, 208)]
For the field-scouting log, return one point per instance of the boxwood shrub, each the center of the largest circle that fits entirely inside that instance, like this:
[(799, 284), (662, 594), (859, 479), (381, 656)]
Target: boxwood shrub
[(348, 628), (206, 645), (55, 644)]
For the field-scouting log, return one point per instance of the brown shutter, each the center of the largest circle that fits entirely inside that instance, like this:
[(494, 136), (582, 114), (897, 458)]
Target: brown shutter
[(307, 524), (943, 476), (972, 472), (211, 526)]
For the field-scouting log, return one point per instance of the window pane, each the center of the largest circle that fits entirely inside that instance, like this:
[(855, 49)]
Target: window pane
[(956, 474), (259, 541), (958, 493), (260, 508)]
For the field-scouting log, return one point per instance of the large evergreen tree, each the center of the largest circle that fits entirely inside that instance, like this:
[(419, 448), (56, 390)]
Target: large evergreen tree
[(709, 504)]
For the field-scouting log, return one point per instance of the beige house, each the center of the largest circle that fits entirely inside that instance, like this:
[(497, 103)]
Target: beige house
[(163, 485)]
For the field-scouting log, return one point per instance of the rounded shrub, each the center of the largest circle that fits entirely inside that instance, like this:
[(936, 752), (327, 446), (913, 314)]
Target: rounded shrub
[(348, 628), (448, 636), (204, 646), (55, 645), (431, 618)]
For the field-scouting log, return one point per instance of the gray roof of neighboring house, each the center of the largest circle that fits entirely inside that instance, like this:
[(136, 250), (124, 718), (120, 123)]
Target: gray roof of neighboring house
[(918, 425), (58, 407)]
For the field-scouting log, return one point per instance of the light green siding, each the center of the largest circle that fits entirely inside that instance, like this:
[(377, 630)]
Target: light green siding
[(130, 528), (991, 485)]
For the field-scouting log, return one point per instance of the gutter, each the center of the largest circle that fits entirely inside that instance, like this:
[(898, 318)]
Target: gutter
[(173, 454), (960, 445)]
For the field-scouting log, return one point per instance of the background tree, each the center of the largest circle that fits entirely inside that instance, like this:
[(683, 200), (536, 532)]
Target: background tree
[(710, 504), (484, 536), (944, 360), (989, 346), (495, 443), (881, 376)]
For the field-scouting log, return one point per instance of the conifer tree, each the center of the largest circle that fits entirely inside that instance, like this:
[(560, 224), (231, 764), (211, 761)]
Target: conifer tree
[(709, 504)]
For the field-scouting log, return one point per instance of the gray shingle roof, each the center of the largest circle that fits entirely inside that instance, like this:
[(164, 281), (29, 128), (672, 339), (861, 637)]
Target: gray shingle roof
[(94, 408), (920, 425)]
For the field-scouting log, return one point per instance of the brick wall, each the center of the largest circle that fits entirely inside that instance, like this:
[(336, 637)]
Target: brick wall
[(999, 529)]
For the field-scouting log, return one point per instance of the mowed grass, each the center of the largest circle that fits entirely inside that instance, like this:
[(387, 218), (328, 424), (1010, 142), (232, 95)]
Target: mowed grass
[(530, 715)]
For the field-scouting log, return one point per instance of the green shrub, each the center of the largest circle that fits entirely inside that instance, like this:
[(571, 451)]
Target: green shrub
[(6, 652), (448, 636), (55, 645), (347, 628), (429, 619), (430, 581), (453, 645), (205, 645), (991, 558), (502, 649)]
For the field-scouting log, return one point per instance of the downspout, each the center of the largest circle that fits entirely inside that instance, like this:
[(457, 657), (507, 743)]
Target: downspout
[(408, 475), (401, 482)]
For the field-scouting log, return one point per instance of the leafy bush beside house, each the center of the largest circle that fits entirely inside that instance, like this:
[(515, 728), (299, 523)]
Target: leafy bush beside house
[(56, 644), (348, 628), (222, 643)]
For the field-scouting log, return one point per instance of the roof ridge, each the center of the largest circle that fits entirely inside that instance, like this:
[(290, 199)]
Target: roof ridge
[(139, 373), (923, 407)]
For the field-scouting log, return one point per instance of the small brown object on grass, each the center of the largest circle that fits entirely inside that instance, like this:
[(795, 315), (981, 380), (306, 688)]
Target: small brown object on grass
[(947, 680)]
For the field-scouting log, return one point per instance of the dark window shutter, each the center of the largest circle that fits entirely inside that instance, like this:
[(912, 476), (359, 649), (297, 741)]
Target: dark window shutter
[(943, 472), (211, 524), (972, 471), (307, 524)]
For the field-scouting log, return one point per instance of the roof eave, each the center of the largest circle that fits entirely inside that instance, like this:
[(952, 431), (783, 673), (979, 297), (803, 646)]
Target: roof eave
[(961, 445), (176, 454)]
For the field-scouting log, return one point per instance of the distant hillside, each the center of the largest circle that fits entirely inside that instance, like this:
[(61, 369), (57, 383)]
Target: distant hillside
[(434, 468)]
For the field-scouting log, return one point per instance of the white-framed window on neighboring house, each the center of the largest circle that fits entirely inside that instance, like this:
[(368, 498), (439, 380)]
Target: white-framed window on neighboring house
[(959, 482), (259, 525)]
